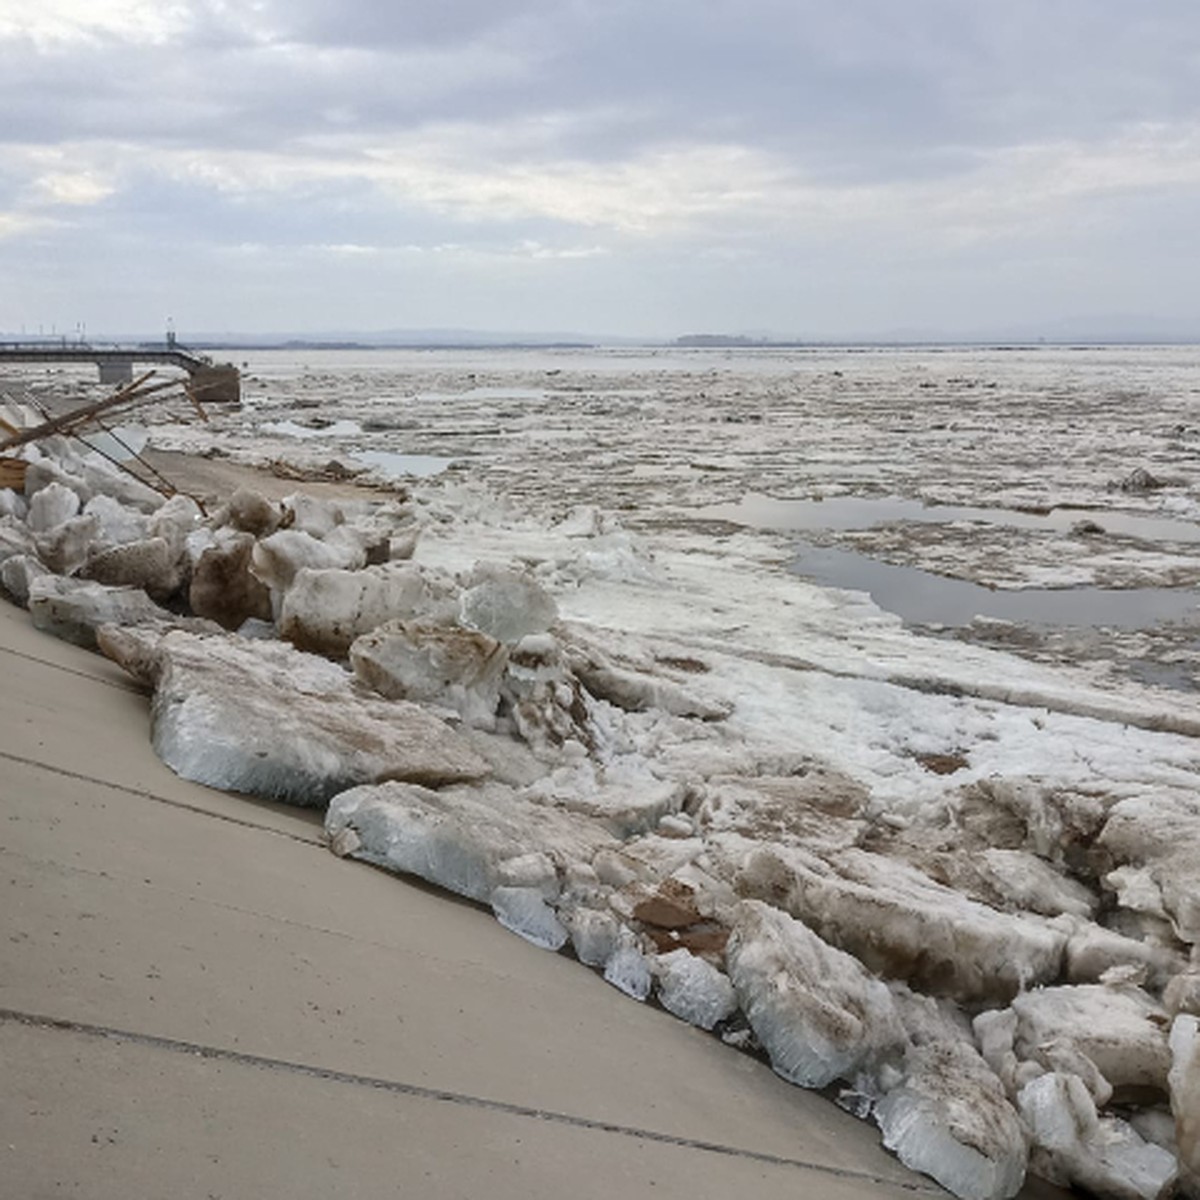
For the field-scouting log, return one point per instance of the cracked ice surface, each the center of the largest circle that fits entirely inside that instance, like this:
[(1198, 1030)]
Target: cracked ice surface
[(770, 805)]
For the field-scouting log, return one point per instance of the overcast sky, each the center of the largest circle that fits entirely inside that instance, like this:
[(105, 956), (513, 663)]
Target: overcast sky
[(807, 167)]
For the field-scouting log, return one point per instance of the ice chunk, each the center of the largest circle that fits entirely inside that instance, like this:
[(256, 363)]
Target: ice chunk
[(325, 610), (1092, 950), (928, 1021), (628, 970), (51, 507), (73, 610), (525, 912), (626, 796), (816, 1010), (316, 515), (17, 573), (174, 522), (278, 558), (150, 564), (817, 808), (1074, 1145), (223, 587), (594, 934), (14, 538), (1185, 1095), (116, 523), (548, 705), (251, 512), (1022, 880), (263, 718), (13, 504), (898, 921), (1059, 1111), (462, 839), (425, 661), (1182, 993), (1157, 838), (1122, 1031), (506, 605), (996, 1030), (66, 548), (639, 691), (950, 1119), (694, 990), (102, 478), (42, 472)]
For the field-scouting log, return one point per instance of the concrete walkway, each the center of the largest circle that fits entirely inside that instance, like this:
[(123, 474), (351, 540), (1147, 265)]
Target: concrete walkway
[(198, 1000)]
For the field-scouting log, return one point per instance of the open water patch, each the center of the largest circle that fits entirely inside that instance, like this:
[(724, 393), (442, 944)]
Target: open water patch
[(924, 598)]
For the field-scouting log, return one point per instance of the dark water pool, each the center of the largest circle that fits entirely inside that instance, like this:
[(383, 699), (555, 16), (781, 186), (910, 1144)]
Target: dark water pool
[(922, 597)]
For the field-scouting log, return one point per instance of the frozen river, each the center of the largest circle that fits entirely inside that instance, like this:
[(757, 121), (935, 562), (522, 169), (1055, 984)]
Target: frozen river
[(1066, 474), (843, 700)]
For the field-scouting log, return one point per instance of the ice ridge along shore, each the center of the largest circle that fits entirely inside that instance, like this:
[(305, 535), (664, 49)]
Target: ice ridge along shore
[(960, 888)]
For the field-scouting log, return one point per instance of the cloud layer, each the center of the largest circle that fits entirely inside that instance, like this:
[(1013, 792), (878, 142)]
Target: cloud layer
[(599, 165)]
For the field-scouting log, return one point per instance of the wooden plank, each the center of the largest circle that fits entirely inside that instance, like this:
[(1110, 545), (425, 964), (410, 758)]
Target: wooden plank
[(133, 392), (12, 473)]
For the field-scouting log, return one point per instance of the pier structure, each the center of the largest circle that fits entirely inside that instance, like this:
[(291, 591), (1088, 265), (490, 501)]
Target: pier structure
[(216, 383)]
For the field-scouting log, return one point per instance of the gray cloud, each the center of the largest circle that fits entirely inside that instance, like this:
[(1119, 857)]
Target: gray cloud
[(542, 141)]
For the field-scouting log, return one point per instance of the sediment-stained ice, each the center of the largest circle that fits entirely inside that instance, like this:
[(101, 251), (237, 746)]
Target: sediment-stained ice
[(1121, 1031), (278, 557), (547, 704), (817, 1011), (435, 663), (150, 564), (324, 610), (222, 587), (950, 1118), (1156, 839), (15, 538), (263, 718), (250, 512), (898, 921), (639, 690), (1093, 950)]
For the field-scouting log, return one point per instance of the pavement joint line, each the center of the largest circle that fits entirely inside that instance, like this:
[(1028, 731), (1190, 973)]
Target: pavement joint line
[(143, 794), (443, 1096), (119, 685)]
